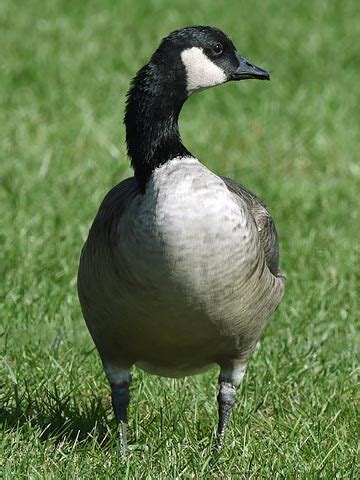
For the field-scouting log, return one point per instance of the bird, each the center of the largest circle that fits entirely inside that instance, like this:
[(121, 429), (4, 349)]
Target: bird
[(180, 270)]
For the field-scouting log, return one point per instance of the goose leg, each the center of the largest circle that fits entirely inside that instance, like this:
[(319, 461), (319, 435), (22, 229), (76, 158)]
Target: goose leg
[(120, 400), (230, 378), (226, 400), (120, 382)]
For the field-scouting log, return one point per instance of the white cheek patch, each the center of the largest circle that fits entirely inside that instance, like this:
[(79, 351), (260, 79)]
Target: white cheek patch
[(201, 72)]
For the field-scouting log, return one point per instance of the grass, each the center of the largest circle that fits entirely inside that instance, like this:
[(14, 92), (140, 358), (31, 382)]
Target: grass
[(65, 68)]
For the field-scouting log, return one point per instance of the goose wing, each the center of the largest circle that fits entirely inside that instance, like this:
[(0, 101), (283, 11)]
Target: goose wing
[(111, 208), (263, 221)]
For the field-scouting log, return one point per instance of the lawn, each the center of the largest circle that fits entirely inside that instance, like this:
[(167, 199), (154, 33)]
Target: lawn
[(65, 68)]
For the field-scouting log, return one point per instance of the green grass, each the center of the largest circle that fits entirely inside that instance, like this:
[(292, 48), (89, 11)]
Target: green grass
[(64, 68)]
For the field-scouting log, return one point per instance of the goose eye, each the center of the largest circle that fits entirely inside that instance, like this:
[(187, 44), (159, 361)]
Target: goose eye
[(218, 48)]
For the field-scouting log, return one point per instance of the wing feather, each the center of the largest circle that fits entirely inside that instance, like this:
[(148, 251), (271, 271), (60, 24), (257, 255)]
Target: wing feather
[(263, 220)]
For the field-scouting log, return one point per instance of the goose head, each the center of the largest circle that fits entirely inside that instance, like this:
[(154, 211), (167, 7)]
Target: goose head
[(188, 60), (205, 57)]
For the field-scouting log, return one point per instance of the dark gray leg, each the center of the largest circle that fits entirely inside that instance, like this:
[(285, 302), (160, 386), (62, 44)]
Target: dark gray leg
[(120, 400), (226, 400), (230, 377), (119, 379)]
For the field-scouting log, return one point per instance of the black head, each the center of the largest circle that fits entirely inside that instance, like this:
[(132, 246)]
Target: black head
[(188, 60), (209, 57)]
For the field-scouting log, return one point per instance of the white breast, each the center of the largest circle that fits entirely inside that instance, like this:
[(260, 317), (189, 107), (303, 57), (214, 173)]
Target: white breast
[(188, 230)]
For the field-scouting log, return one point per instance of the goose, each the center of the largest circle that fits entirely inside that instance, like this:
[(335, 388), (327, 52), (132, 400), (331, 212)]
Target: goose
[(180, 270)]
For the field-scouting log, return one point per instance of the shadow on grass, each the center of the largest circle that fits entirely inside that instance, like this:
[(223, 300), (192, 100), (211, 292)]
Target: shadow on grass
[(59, 416)]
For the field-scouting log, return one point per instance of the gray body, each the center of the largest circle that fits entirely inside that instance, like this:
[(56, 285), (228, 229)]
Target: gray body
[(181, 266), (180, 277)]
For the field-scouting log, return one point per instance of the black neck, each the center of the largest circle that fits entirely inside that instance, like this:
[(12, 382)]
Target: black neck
[(151, 119)]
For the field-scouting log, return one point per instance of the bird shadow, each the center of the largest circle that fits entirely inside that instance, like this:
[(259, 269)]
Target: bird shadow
[(61, 417)]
